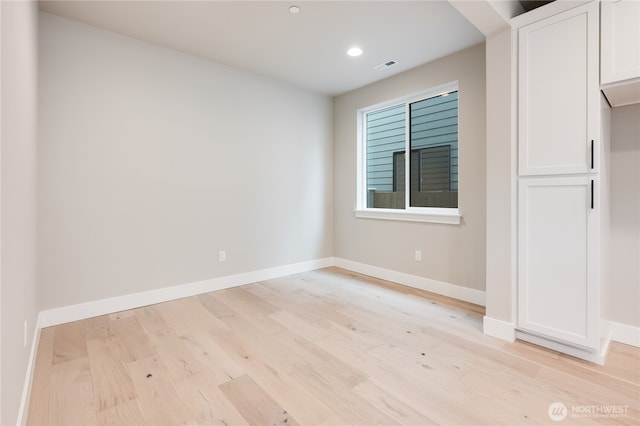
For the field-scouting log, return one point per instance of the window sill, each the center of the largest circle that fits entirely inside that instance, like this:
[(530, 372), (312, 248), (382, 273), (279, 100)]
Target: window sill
[(435, 215)]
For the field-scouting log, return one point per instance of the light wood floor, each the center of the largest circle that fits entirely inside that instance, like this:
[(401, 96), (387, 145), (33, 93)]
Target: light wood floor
[(320, 348)]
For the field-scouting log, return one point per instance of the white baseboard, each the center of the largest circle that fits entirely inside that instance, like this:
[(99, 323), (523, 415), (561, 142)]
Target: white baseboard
[(597, 356), (81, 311), (627, 334), (31, 365), (445, 289), (611, 332), (497, 328), (95, 308)]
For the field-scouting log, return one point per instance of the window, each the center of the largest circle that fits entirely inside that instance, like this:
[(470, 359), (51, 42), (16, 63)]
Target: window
[(426, 126)]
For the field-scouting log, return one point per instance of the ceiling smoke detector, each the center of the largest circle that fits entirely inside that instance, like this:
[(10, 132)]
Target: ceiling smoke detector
[(384, 65)]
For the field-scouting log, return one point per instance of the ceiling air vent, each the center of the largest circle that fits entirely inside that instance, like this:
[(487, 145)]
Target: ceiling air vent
[(384, 65)]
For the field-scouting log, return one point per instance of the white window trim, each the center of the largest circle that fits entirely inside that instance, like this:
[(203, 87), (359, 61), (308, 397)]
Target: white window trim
[(415, 214), (412, 214)]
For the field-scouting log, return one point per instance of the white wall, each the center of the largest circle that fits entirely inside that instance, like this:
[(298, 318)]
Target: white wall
[(625, 215), (18, 197), (151, 161), (453, 254), (605, 212)]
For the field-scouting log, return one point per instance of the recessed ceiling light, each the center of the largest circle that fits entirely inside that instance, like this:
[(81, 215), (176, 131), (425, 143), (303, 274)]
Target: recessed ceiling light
[(354, 51), (294, 9)]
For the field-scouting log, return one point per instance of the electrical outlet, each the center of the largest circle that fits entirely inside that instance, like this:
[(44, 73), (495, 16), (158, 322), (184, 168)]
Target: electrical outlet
[(26, 332), (222, 255), (418, 256)]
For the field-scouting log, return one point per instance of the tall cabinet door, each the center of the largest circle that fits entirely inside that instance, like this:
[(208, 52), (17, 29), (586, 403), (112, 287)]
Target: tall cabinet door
[(558, 93), (558, 238)]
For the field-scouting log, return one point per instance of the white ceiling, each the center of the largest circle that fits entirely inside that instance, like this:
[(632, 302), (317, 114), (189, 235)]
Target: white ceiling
[(307, 50)]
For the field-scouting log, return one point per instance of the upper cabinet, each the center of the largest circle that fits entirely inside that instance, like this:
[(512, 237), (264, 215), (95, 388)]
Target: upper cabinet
[(558, 93), (620, 51), (620, 40)]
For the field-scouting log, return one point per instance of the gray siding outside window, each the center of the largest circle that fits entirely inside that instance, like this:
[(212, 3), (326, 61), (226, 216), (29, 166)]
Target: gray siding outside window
[(386, 133), (433, 124)]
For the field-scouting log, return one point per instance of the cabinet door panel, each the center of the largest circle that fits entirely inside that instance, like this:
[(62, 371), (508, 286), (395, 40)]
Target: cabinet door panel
[(557, 292), (558, 81), (620, 40)]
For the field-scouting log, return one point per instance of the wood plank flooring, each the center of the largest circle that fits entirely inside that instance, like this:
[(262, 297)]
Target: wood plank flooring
[(327, 347)]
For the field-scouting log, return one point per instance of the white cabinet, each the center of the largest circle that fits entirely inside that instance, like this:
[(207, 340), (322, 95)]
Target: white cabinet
[(559, 180), (620, 40), (558, 93), (558, 264), (620, 51)]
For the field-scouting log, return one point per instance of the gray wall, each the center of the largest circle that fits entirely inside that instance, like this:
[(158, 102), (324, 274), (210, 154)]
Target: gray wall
[(18, 197), (151, 161), (500, 250), (451, 253), (625, 215)]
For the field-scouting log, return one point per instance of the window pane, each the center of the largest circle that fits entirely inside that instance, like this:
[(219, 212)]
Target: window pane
[(434, 144), (385, 148)]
